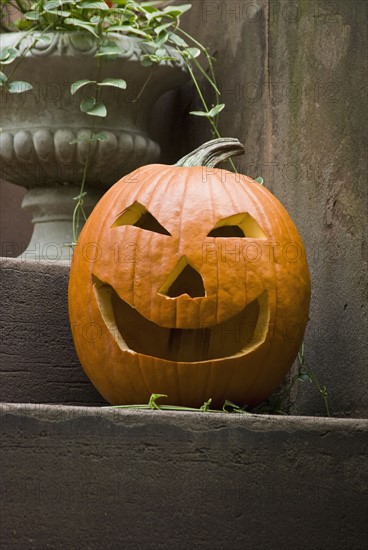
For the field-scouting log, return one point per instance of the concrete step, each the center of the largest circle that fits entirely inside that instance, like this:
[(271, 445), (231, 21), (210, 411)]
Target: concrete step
[(38, 363), (86, 477), (97, 477)]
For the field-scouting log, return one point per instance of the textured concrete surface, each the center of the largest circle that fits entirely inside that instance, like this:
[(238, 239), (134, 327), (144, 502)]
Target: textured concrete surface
[(293, 76), (37, 358), (76, 478), (15, 223)]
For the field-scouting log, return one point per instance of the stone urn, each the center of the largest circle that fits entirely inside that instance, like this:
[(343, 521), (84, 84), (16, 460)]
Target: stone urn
[(40, 128)]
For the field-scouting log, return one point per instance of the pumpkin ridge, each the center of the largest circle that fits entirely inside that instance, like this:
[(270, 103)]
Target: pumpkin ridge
[(210, 370), (172, 178)]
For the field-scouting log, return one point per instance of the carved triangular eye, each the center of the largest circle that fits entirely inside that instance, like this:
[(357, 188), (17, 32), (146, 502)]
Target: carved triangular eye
[(239, 226), (138, 215), (226, 231)]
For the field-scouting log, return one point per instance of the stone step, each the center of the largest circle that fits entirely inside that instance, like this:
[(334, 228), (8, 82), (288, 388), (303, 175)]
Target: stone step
[(86, 477), (38, 363)]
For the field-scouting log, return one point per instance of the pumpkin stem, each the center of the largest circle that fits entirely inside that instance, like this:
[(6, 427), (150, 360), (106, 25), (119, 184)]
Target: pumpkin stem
[(212, 153)]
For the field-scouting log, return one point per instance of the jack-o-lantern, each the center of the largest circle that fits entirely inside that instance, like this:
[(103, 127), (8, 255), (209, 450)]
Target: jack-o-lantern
[(190, 281)]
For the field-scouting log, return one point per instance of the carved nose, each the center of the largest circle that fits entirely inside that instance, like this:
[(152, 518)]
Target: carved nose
[(183, 279)]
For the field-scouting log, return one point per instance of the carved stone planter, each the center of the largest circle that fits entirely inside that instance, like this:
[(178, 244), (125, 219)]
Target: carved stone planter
[(38, 126)]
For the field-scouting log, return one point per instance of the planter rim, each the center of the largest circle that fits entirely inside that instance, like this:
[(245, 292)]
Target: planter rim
[(65, 43)]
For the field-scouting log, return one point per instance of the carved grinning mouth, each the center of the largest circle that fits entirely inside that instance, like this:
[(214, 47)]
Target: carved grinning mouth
[(135, 333)]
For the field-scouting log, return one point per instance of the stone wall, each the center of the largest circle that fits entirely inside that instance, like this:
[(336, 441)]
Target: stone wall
[(293, 76)]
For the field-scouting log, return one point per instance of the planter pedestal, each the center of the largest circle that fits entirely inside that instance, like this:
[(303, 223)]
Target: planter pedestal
[(52, 215)]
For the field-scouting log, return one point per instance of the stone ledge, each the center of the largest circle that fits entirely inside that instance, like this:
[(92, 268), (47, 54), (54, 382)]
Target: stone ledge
[(37, 358), (79, 477)]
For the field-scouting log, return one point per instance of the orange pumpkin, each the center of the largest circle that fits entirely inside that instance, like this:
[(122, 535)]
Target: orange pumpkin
[(190, 281)]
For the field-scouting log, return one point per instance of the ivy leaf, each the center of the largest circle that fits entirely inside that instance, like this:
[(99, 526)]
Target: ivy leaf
[(114, 82), (216, 110), (61, 13), (146, 61), (161, 52), (152, 403), (108, 51), (98, 110), (206, 406), (87, 103), (80, 84), (177, 40), (198, 113), (177, 11), (82, 24), (54, 4), (212, 113), (304, 377), (192, 53), (7, 55), (93, 6), (32, 15), (128, 29), (91, 107), (161, 28), (19, 86)]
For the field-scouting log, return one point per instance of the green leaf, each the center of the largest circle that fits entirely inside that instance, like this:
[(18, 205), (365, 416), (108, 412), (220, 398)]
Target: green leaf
[(54, 4), (146, 61), (87, 103), (99, 137), (45, 38), (231, 407), (152, 403), (89, 106), (7, 55), (128, 29), (61, 13), (114, 82), (3, 78), (93, 6), (80, 84), (32, 15), (108, 51), (212, 113), (206, 405), (192, 53), (304, 377), (161, 28), (216, 110), (82, 24), (177, 11), (198, 113), (177, 40), (19, 86), (4, 54), (259, 180)]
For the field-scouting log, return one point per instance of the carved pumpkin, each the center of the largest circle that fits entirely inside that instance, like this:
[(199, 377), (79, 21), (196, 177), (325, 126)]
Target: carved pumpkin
[(190, 281)]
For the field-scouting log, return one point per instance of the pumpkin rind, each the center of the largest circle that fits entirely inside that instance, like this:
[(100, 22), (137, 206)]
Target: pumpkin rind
[(188, 202)]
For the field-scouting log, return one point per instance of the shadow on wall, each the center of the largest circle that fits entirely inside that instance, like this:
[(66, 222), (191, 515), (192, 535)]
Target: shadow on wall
[(15, 223)]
